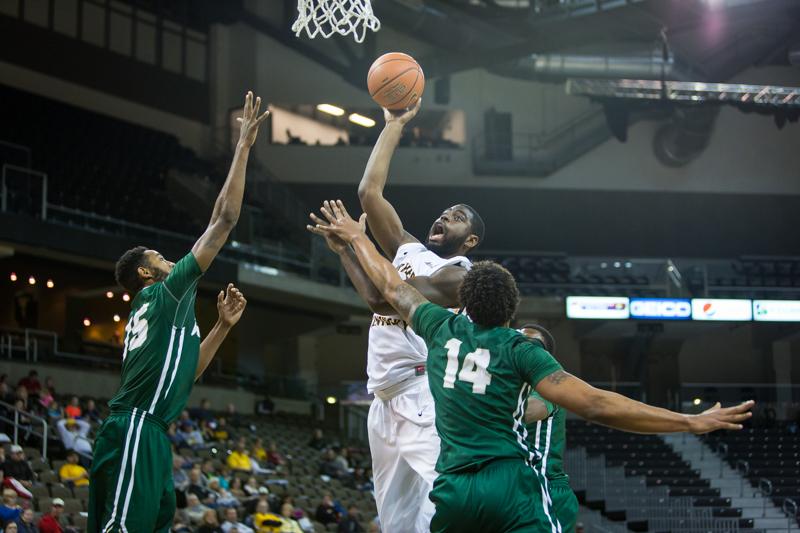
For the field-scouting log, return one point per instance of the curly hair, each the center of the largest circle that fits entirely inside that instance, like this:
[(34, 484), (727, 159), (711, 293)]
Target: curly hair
[(549, 340), (489, 294), (127, 267)]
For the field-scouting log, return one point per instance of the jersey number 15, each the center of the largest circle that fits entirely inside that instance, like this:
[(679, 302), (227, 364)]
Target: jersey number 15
[(135, 331), (472, 371)]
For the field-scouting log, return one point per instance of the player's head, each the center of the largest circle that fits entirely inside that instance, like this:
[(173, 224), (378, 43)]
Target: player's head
[(489, 294), (538, 332), (457, 231), (140, 267)]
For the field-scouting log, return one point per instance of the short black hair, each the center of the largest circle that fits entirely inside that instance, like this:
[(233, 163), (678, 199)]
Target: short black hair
[(489, 294), (549, 340), (127, 268), (476, 222)]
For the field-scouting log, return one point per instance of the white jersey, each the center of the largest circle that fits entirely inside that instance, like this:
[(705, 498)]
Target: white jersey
[(394, 349)]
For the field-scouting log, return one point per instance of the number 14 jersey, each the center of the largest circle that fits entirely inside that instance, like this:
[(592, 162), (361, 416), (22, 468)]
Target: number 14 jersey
[(480, 379), (162, 345)]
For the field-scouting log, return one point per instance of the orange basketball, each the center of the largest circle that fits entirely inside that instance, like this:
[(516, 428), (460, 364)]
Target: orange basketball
[(395, 81)]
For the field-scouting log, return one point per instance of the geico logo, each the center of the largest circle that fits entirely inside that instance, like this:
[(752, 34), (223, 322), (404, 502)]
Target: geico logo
[(665, 309)]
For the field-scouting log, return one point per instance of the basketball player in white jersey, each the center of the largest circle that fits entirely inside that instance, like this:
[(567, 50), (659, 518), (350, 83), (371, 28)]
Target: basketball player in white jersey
[(402, 435)]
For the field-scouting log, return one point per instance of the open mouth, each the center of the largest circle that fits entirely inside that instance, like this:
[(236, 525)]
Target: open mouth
[(437, 232)]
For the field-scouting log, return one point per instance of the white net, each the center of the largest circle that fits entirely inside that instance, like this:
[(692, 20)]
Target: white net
[(326, 17)]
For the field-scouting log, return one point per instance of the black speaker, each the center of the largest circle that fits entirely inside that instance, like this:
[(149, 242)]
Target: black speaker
[(441, 91)]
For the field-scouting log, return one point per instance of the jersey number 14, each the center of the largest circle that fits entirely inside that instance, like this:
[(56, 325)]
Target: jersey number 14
[(472, 371)]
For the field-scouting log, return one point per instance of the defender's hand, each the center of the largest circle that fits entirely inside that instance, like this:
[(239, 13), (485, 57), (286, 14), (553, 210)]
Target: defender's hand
[(334, 242), (718, 417), (341, 223), (250, 120), (230, 305)]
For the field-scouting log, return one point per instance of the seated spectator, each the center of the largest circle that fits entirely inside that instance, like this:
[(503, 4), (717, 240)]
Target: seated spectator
[(359, 480), (22, 396), (330, 466), (251, 487), (210, 524), (350, 523), (172, 434), (50, 384), (258, 452), (186, 418), (73, 410), (31, 383), (74, 435), (264, 520), (317, 441), (26, 522), (222, 496), (232, 521), (17, 467), (195, 510), (181, 523), (9, 510), (73, 474), (265, 406), (208, 471), (198, 488), (237, 488), (11, 527), (191, 436), (180, 479), (92, 413), (45, 398), (233, 417), (219, 430), (341, 460), (273, 457), (54, 412), (326, 512), (51, 522), (239, 458), (290, 525), (305, 524), (263, 496)]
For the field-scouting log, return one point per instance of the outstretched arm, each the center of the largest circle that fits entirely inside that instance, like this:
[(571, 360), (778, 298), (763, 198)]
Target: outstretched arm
[(441, 288), (230, 306), (384, 222), (619, 412), (229, 202), (404, 298)]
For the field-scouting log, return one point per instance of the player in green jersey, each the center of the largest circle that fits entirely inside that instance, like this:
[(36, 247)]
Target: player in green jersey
[(480, 374), (131, 485), (547, 429)]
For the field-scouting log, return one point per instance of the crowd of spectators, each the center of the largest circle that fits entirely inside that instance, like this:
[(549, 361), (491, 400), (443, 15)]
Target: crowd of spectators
[(225, 474)]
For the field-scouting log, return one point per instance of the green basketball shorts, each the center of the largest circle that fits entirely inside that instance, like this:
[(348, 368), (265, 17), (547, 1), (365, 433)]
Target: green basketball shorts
[(131, 486), (503, 496), (565, 504)]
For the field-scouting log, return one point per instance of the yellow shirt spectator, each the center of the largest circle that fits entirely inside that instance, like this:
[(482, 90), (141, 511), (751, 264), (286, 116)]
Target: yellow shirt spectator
[(267, 523), (238, 460), (75, 473)]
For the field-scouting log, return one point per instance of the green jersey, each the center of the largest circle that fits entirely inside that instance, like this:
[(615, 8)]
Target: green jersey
[(162, 345), (548, 437), (480, 379)]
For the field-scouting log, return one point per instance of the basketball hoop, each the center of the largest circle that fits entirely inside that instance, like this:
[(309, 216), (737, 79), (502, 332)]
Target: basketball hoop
[(326, 17)]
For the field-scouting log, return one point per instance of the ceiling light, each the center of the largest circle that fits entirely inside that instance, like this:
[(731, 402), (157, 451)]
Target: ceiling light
[(50, 284), (330, 400), (126, 297), (13, 276), (31, 281), (361, 120), (331, 109), (109, 295), (87, 322), (697, 401), (116, 318)]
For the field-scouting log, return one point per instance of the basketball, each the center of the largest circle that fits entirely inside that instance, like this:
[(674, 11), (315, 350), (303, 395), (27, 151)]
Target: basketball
[(395, 81)]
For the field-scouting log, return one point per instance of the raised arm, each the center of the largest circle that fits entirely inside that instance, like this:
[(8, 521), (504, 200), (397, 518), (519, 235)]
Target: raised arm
[(619, 412), (384, 222), (230, 306), (441, 288), (401, 296), (229, 202)]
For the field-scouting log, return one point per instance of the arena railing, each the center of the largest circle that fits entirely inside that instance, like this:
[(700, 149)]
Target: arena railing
[(35, 346), (19, 427)]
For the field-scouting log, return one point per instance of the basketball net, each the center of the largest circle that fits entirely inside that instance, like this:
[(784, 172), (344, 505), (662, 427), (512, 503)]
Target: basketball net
[(326, 17)]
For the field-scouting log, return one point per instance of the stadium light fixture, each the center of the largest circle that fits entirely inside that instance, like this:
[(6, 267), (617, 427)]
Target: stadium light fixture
[(31, 281), (331, 109), (13, 276), (126, 297), (330, 400), (117, 318), (109, 295), (697, 401), (361, 120), (87, 322), (50, 284)]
